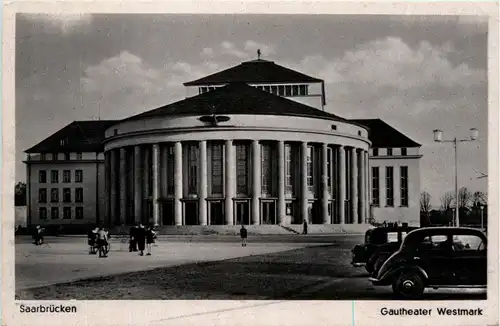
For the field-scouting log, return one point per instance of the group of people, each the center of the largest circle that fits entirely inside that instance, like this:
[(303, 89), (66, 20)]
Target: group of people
[(141, 236), (97, 238)]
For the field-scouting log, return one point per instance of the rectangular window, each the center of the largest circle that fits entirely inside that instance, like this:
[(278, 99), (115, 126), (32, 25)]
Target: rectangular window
[(310, 167), (79, 176), (288, 90), (375, 186), (66, 176), (389, 186), (170, 170), (79, 213), (288, 169), (389, 152), (303, 90), (217, 169), (42, 213), (66, 195), (79, 155), (266, 168), (192, 151), (54, 213), (375, 152), (241, 169), (54, 176), (295, 90), (54, 195), (67, 213), (403, 151), (42, 176), (404, 185), (281, 90), (42, 195), (79, 195)]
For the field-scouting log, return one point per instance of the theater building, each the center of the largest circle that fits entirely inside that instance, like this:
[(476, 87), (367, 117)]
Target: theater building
[(248, 145)]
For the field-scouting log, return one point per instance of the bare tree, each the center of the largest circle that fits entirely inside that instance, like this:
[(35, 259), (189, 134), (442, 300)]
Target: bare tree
[(479, 198), (425, 202), (464, 198), (446, 201)]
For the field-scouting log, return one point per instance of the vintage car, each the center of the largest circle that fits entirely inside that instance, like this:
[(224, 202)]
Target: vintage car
[(380, 243), (436, 257)]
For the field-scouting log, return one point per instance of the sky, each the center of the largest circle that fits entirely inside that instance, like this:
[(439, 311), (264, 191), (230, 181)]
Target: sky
[(417, 73)]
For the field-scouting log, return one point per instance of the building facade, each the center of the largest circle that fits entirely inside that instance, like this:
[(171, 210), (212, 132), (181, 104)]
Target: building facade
[(249, 145)]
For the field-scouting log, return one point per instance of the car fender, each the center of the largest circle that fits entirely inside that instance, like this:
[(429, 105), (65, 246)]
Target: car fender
[(389, 275)]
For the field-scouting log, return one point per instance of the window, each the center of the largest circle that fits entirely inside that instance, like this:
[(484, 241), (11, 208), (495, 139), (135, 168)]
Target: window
[(192, 169), (241, 169), (303, 90), (54, 195), (79, 176), (79, 195), (359, 132), (66, 195), (404, 185), (170, 170), (467, 242), (63, 142), (55, 157), (43, 157), (295, 90), (375, 186), (54, 176), (266, 166), (389, 186), (42, 195), (288, 90), (403, 151), (79, 213), (389, 152), (217, 169), (67, 213), (67, 156), (310, 167), (281, 90), (42, 176), (288, 169), (42, 213), (375, 152), (334, 127), (54, 213), (434, 242), (392, 237), (66, 176)]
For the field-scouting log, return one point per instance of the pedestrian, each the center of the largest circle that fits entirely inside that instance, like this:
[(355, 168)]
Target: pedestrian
[(133, 240), (141, 238), (305, 227), (91, 240), (243, 235), (150, 239), (102, 241)]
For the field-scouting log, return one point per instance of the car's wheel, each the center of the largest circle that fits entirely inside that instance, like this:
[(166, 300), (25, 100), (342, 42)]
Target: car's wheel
[(408, 285)]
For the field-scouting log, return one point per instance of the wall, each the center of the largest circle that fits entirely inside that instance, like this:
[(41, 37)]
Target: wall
[(21, 216)]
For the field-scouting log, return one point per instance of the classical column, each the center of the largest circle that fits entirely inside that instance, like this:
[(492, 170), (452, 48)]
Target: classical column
[(137, 184), (114, 184), (281, 182), (342, 184), (354, 185), (178, 182), (256, 182), (156, 184), (123, 185), (303, 176), (202, 192), (362, 190), (163, 171), (229, 181), (324, 172)]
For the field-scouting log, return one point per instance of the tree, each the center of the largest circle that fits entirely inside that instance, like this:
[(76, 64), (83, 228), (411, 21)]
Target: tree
[(464, 198), (20, 194), (425, 202), (446, 201), (479, 198)]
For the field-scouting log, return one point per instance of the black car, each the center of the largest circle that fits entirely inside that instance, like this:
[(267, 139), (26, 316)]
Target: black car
[(380, 243), (437, 257)]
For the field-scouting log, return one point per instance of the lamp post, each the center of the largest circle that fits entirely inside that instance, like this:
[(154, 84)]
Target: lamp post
[(438, 137), (482, 220)]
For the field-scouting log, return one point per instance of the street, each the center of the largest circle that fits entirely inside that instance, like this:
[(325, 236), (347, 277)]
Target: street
[(312, 268)]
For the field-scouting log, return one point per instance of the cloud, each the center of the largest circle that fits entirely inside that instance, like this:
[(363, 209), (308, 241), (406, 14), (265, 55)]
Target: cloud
[(66, 23)]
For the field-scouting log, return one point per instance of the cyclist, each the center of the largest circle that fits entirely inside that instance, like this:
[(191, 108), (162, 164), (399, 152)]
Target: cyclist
[(102, 241)]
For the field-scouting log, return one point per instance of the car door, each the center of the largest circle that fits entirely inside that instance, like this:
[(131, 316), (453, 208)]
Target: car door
[(434, 256), (469, 259)]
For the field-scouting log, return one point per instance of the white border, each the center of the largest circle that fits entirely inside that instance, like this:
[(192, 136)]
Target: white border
[(239, 312)]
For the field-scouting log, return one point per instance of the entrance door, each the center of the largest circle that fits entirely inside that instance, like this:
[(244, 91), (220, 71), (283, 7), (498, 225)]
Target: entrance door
[(191, 213), (167, 213), (242, 213), (216, 213), (268, 212)]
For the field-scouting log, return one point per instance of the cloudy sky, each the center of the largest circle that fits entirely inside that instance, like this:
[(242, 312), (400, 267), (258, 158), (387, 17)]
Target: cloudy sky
[(416, 73)]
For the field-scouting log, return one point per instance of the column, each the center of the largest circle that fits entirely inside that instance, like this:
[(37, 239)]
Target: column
[(362, 190), (178, 183), (367, 185), (123, 185), (281, 182), (324, 188), (202, 192), (303, 175), (156, 184), (137, 184), (114, 184), (342, 184), (145, 182), (163, 171), (229, 181), (354, 185), (256, 182)]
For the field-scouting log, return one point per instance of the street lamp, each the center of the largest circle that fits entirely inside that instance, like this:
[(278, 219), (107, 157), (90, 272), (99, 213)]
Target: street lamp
[(438, 137)]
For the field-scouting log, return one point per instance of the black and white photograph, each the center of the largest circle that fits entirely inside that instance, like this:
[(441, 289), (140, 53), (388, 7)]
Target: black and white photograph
[(239, 156)]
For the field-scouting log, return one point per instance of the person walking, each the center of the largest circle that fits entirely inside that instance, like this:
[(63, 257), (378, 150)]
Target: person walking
[(150, 239), (141, 238), (243, 235), (102, 241), (305, 227), (133, 238)]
